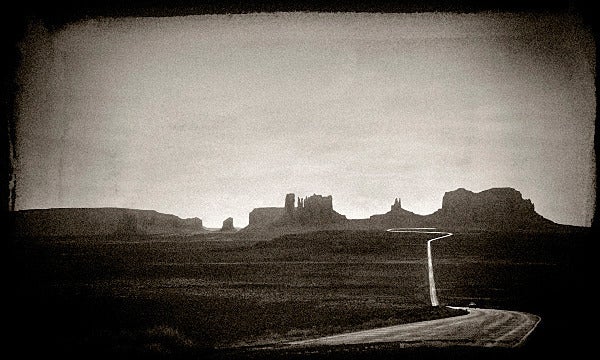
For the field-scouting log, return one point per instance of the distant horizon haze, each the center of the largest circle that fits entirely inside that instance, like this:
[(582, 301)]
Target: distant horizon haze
[(211, 116)]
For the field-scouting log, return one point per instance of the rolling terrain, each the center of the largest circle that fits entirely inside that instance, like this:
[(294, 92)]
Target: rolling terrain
[(214, 294)]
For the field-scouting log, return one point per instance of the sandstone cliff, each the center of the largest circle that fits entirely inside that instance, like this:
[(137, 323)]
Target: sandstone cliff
[(101, 221), (493, 209), (264, 216), (314, 210), (317, 209), (228, 225), (497, 209)]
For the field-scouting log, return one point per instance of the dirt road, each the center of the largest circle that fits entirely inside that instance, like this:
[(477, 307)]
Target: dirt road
[(481, 327)]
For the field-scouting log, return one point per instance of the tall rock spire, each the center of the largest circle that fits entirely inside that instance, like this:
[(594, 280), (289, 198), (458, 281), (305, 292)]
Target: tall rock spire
[(290, 202), (397, 205)]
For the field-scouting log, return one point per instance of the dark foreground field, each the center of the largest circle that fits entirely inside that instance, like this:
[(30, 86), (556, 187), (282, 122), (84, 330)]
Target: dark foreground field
[(202, 296)]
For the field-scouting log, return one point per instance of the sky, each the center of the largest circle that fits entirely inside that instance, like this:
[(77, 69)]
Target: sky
[(211, 116)]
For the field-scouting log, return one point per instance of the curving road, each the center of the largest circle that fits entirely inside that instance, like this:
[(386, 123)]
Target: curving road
[(480, 327)]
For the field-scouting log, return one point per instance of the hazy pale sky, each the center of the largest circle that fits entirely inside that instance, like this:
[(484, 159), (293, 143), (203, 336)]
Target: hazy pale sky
[(211, 116)]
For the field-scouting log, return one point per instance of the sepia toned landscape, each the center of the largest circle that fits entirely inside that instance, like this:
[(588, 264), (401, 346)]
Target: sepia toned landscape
[(248, 294), (301, 184)]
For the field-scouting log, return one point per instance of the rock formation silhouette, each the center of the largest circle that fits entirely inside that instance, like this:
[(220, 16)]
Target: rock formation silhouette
[(289, 207), (496, 208), (101, 221), (493, 209), (317, 209), (312, 210), (228, 225), (397, 217), (264, 216)]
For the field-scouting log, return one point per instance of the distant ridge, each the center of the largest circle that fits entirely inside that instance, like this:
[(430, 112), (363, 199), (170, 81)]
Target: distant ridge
[(101, 221), (492, 209)]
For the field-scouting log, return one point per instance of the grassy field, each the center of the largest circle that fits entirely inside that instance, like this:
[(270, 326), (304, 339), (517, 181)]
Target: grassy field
[(196, 295)]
